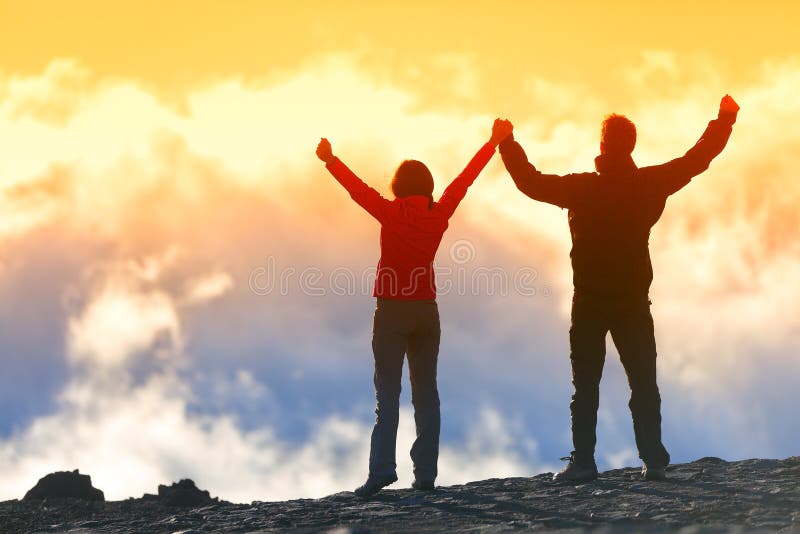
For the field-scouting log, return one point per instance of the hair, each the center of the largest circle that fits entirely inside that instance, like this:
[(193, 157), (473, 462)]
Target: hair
[(412, 177), (618, 134)]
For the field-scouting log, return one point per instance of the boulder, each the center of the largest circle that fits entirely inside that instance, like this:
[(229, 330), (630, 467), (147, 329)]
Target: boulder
[(65, 484), (183, 493)]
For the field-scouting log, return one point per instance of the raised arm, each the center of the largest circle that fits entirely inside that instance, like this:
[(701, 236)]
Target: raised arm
[(364, 195), (549, 188), (457, 189), (673, 175)]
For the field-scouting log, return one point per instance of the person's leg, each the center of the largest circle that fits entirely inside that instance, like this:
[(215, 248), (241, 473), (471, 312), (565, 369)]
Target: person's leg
[(632, 332), (423, 354), (389, 346), (587, 339)]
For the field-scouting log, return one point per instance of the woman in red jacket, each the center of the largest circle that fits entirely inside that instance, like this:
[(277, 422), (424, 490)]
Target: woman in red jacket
[(406, 317)]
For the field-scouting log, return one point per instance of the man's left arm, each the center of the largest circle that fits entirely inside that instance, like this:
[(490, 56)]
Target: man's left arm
[(549, 188), (674, 175)]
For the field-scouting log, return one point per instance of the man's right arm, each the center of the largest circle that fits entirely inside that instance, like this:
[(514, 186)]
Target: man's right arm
[(549, 188)]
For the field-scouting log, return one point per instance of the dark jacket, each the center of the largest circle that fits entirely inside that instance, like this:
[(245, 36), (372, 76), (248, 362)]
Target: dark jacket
[(612, 210)]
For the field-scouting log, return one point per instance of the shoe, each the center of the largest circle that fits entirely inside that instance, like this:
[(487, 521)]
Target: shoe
[(424, 485), (576, 472), (373, 485), (654, 473)]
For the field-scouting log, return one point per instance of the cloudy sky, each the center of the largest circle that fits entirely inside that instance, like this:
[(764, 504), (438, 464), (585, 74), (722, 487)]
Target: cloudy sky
[(182, 283)]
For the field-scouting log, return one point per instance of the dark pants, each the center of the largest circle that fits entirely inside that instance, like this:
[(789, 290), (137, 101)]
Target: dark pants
[(631, 327), (400, 328)]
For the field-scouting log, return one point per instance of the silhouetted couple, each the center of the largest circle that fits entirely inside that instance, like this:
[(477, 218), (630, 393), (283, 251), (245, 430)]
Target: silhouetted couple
[(610, 215)]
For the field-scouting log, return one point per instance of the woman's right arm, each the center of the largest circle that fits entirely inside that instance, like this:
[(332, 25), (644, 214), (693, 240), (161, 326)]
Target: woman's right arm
[(364, 195)]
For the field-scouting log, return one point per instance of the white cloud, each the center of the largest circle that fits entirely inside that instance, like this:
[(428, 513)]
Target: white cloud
[(130, 439), (119, 323), (132, 434), (209, 287)]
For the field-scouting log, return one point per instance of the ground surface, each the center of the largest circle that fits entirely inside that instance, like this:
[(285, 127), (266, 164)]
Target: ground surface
[(708, 495)]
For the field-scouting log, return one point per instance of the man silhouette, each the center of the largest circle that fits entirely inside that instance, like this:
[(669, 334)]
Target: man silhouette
[(611, 212)]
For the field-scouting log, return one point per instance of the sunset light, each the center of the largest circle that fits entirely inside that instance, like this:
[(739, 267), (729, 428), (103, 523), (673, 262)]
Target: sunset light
[(158, 174)]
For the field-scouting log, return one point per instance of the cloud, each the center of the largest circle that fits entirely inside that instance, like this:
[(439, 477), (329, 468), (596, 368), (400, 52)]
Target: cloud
[(52, 97), (132, 433), (119, 323), (209, 287), (144, 224), (131, 439)]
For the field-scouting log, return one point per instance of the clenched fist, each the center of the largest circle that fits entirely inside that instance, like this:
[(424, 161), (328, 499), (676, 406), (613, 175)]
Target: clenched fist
[(500, 130), (324, 151), (728, 104)]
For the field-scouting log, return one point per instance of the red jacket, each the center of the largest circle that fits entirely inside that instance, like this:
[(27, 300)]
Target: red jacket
[(410, 230)]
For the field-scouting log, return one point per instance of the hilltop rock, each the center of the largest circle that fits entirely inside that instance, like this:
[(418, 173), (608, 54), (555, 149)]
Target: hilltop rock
[(709, 495), (183, 493), (65, 485)]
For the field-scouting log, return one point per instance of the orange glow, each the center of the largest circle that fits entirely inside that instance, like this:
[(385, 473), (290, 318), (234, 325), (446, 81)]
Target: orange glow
[(154, 154), (174, 45), (142, 122)]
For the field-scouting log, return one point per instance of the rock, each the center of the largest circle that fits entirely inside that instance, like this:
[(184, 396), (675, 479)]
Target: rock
[(184, 493), (743, 496), (65, 484)]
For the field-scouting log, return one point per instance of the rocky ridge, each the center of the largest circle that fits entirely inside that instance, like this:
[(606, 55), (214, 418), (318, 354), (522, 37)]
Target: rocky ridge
[(708, 495)]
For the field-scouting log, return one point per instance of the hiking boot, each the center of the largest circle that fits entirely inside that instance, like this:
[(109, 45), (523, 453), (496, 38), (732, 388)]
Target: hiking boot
[(654, 473), (423, 485), (373, 485), (576, 472)]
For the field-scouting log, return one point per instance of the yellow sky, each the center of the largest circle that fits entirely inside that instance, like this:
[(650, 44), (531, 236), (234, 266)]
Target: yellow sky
[(170, 45), (252, 83)]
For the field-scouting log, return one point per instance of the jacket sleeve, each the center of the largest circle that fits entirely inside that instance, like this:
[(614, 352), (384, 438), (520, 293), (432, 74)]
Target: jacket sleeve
[(364, 195), (457, 189), (549, 188), (673, 175)]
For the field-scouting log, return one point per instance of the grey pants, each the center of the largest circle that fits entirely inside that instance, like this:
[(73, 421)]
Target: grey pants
[(402, 328)]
